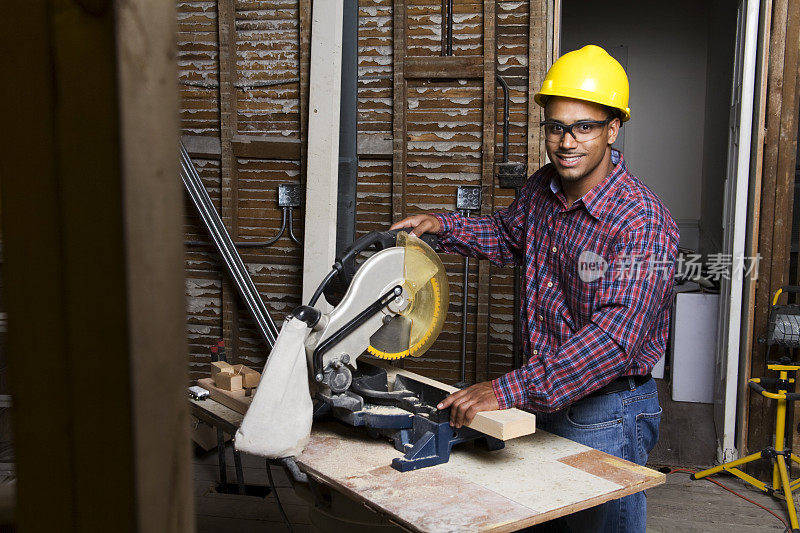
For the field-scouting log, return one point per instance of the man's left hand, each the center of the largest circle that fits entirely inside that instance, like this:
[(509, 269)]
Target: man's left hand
[(466, 403)]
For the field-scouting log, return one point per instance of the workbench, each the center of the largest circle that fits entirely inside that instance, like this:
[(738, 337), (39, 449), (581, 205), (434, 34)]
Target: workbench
[(532, 480)]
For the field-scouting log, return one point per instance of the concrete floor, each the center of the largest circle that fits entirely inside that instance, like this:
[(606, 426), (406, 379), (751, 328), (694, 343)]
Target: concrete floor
[(686, 436)]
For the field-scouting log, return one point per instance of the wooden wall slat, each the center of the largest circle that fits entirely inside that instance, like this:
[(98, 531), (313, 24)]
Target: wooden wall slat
[(776, 200), (399, 117), (226, 21)]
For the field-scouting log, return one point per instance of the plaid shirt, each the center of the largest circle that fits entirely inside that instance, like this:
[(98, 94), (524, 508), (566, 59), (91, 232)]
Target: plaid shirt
[(598, 282)]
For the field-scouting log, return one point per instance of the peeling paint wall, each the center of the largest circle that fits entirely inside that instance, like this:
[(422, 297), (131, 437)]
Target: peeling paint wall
[(444, 150)]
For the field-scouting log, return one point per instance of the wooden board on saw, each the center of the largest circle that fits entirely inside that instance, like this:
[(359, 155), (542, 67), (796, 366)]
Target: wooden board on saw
[(235, 400), (534, 479), (504, 425)]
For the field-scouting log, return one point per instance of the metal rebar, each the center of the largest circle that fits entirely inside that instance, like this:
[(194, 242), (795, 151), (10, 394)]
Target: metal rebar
[(216, 229), (228, 251)]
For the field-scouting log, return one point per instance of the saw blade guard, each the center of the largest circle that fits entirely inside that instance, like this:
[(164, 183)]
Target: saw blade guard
[(414, 329)]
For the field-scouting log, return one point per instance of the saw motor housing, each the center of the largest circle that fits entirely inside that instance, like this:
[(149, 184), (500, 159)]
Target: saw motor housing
[(394, 306)]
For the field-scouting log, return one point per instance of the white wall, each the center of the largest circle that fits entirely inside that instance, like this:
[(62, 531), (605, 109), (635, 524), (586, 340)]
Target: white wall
[(666, 63), (721, 46)]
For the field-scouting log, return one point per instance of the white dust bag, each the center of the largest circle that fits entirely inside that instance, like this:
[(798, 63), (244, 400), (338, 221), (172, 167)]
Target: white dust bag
[(278, 421)]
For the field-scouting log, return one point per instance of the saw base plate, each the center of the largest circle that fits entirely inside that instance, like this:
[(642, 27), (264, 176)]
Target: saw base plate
[(407, 416)]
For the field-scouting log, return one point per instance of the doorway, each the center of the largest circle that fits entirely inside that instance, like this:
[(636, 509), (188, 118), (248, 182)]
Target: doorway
[(679, 58)]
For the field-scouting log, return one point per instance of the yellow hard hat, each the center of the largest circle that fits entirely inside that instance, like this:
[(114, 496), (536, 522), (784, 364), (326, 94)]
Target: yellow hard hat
[(588, 74)]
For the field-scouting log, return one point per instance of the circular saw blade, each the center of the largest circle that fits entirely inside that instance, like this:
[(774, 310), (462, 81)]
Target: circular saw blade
[(415, 329)]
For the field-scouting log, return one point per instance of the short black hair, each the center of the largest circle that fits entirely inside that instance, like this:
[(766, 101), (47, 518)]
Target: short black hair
[(613, 112)]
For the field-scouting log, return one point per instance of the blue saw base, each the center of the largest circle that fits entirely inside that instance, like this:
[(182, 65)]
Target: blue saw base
[(413, 423)]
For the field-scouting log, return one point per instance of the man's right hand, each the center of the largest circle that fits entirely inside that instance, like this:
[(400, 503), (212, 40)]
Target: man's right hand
[(420, 224)]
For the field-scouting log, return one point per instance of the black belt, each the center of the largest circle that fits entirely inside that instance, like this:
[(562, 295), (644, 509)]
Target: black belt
[(622, 384)]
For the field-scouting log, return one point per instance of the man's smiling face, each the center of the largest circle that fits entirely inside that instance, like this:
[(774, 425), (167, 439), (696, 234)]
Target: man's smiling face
[(575, 160)]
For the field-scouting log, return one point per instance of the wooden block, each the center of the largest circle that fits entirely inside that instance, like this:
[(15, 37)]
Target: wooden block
[(235, 400), (228, 381), (250, 377), (504, 425), (220, 366)]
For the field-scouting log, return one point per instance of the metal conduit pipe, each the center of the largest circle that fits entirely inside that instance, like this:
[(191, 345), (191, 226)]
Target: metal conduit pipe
[(512, 175), (506, 105), (213, 225), (447, 27), (228, 251), (213, 222), (236, 268)]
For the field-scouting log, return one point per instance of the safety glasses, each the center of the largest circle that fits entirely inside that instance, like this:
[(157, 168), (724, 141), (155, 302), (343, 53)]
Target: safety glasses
[(581, 131)]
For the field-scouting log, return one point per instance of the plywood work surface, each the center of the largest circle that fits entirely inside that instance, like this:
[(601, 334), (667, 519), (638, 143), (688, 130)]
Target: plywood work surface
[(504, 425), (533, 479)]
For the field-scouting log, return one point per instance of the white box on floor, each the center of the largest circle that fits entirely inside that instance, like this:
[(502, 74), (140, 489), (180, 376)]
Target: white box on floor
[(694, 340)]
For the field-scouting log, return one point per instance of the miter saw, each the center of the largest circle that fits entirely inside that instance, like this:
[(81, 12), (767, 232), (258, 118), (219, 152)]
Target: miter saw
[(391, 306)]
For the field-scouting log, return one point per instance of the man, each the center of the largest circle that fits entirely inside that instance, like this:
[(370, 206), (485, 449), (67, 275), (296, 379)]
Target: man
[(598, 248)]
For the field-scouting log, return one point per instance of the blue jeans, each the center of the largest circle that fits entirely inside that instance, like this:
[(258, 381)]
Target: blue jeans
[(624, 424)]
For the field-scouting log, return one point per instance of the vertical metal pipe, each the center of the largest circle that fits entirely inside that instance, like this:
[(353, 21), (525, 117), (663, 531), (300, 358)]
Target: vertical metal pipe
[(506, 105), (348, 134), (443, 25), (519, 279), (449, 27), (222, 240), (465, 296), (464, 299)]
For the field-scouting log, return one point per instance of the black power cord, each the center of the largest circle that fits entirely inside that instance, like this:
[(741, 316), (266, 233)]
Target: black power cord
[(277, 498)]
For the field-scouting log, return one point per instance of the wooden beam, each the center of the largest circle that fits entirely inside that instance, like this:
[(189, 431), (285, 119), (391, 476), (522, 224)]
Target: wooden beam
[(787, 157), (245, 146), (487, 188), (537, 67), (226, 26), (775, 220), (99, 301), (146, 34), (438, 67), (266, 147), (304, 14), (399, 116), (202, 146), (319, 245)]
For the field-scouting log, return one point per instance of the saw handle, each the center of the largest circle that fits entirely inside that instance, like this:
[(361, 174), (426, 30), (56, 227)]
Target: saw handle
[(380, 240), (337, 282)]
